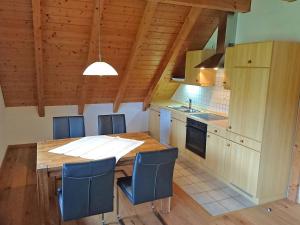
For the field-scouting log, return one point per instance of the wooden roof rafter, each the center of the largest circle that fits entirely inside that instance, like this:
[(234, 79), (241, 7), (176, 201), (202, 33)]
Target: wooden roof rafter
[(38, 54), (136, 48), (223, 5), (93, 47), (172, 54)]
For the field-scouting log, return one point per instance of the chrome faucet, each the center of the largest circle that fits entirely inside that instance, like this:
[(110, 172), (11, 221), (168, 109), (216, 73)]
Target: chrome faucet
[(190, 104)]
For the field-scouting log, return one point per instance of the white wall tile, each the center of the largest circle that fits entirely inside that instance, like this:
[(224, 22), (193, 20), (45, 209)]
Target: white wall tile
[(214, 98)]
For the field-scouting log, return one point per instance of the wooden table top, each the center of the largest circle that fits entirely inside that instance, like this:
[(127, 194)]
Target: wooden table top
[(53, 162)]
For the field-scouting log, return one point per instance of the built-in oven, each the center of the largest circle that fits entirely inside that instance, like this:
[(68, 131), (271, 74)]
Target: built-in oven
[(196, 137)]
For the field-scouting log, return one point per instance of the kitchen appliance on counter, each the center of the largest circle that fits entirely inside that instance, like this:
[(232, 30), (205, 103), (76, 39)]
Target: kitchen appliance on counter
[(196, 137), (209, 116)]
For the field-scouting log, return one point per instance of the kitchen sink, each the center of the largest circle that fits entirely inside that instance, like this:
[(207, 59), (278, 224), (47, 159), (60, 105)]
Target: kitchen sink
[(185, 109)]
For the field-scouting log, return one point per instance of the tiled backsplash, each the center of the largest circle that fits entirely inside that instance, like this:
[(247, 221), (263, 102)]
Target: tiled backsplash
[(214, 98)]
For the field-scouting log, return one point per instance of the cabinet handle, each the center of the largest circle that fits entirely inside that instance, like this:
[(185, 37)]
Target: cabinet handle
[(228, 145), (249, 61), (224, 82), (242, 141), (229, 127), (215, 131), (208, 135)]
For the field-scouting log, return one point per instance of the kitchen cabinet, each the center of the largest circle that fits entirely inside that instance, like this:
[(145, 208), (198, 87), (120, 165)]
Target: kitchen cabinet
[(178, 133), (244, 163), (265, 84), (249, 88), (154, 124), (228, 66), (197, 76), (253, 55), (215, 153)]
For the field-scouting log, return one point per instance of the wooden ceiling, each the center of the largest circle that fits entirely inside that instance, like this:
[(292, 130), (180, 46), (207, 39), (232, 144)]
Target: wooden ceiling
[(46, 44)]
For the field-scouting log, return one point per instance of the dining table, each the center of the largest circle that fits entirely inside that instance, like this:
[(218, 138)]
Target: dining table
[(49, 167)]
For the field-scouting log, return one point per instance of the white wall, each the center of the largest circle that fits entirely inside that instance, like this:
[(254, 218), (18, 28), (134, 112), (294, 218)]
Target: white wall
[(23, 125), (3, 144), (269, 20)]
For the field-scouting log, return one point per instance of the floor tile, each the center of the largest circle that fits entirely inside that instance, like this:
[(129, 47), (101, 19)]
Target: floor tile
[(190, 189), (218, 195), (231, 204), (203, 187), (215, 208), (230, 191), (244, 201), (203, 198)]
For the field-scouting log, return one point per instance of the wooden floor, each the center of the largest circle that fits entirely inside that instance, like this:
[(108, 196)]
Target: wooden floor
[(18, 203)]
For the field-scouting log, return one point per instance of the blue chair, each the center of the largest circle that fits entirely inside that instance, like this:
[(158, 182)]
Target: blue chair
[(111, 124), (68, 127), (87, 189), (152, 177)]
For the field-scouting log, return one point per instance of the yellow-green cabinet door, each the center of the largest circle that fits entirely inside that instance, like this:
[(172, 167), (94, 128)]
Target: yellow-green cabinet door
[(244, 168), (215, 153), (228, 66), (248, 96), (178, 134), (227, 161), (154, 124), (253, 55)]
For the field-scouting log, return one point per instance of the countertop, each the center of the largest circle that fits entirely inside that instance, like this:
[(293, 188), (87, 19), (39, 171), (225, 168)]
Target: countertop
[(164, 104)]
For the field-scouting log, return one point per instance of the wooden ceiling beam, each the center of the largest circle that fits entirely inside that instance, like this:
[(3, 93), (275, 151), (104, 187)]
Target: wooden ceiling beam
[(136, 48), (171, 56), (223, 5), (93, 51), (38, 55)]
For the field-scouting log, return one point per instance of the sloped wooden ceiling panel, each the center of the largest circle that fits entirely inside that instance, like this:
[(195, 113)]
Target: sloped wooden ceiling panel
[(119, 26), (17, 71), (66, 27), (165, 26)]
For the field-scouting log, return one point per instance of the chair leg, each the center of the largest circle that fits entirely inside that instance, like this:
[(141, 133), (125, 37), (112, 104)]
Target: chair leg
[(118, 205), (103, 221)]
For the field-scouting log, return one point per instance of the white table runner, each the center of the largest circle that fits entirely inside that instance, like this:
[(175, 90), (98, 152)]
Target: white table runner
[(98, 147)]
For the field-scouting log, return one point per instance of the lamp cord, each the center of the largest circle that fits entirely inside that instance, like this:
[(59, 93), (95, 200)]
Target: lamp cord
[(99, 27)]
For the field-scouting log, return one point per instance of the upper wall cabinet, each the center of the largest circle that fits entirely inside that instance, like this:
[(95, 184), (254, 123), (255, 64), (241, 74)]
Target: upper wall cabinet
[(253, 55), (197, 76)]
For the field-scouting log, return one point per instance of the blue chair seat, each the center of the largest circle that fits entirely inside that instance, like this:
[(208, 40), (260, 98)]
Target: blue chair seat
[(125, 183), (152, 177)]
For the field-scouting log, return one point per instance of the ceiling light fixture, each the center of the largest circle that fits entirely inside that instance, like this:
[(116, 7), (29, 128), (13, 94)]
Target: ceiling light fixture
[(100, 68)]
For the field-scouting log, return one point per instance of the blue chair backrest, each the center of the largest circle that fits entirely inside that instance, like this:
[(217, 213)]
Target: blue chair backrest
[(111, 124), (152, 177), (68, 127), (87, 188)]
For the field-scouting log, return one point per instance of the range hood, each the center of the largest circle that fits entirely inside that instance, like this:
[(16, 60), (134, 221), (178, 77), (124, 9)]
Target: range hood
[(217, 60)]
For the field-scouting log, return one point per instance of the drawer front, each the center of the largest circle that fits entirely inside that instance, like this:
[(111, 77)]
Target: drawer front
[(217, 130), (249, 143), (179, 116), (253, 55)]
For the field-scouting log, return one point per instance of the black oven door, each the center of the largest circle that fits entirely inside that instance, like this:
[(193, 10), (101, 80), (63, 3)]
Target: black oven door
[(196, 140)]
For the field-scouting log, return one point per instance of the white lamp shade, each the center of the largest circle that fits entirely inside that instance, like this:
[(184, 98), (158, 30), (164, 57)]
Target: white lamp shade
[(100, 69)]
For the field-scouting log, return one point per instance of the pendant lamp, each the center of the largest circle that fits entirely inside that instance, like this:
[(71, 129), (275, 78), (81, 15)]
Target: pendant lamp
[(100, 68)]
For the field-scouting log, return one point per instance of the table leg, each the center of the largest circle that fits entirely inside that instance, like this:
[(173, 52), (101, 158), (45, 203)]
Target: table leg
[(43, 195), (165, 205)]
